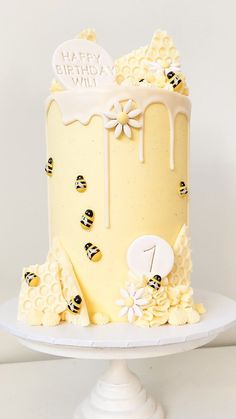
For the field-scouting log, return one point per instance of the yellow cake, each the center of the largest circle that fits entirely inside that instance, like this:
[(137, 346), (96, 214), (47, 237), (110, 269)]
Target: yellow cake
[(118, 182)]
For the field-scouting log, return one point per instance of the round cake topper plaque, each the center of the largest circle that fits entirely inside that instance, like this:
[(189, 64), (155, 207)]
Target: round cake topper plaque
[(149, 256), (82, 64)]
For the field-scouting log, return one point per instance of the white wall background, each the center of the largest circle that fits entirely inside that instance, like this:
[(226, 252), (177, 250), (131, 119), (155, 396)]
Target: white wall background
[(205, 34)]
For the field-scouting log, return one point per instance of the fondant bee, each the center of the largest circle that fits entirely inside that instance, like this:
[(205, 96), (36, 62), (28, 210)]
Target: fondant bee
[(49, 166), (183, 190), (74, 304), (87, 219), (93, 252), (174, 79), (80, 184), (155, 282), (32, 279)]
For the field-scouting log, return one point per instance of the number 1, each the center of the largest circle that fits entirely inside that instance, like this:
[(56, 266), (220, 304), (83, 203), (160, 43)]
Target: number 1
[(153, 255)]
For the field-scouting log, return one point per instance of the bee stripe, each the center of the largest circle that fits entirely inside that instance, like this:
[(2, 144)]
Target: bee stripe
[(92, 251), (73, 307), (175, 83), (74, 310), (86, 222)]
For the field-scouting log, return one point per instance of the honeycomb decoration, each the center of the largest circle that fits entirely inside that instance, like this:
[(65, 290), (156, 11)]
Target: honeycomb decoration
[(134, 66), (69, 284), (180, 274), (47, 303), (47, 297), (163, 51), (131, 66)]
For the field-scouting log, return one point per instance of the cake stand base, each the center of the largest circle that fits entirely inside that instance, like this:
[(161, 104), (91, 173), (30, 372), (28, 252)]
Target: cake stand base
[(119, 394)]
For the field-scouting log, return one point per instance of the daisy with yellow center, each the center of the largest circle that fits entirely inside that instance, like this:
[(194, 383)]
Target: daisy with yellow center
[(131, 303), (122, 118)]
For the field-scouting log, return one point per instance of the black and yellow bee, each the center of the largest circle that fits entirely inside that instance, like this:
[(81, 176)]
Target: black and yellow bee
[(155, 282), (87, 219), (80, 184), (183, 190), (74, 304), (174, 79), (93, 252), (32, 279), (49, 166)]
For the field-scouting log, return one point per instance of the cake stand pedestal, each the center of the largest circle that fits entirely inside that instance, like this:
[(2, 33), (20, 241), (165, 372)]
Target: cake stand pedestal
[(119, 393)]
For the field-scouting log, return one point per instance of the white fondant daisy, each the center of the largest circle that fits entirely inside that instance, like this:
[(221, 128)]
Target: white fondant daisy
[(122, 118), (131, 303)]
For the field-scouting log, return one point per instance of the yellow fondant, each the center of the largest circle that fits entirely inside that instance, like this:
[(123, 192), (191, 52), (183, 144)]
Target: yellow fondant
[(129, 302), (32, 280), (122, 118), (143, 196), (88, 34), (80, 184), (87, 220), (55, 86)]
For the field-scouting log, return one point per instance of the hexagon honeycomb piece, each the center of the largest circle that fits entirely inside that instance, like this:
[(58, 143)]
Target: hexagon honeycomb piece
[(134, 66), (182, 269), (47, 296), (69, 284), (163, 51), (131, 66)]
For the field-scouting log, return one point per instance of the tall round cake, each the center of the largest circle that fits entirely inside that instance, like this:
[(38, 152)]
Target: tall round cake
[(117, 166)]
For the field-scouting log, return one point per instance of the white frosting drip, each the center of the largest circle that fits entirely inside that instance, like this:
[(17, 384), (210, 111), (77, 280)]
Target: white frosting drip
[(82, 105), (172, 140), (107, 178), (141, 144)]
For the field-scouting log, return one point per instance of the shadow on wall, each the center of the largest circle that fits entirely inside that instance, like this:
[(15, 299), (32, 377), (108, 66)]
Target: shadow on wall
[(212, 214)]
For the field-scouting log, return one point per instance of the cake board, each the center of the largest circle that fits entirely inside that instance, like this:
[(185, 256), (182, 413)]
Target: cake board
[(119, 393)]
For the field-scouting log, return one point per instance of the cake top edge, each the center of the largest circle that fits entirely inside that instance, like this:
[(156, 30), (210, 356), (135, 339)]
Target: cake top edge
[(80, 64), (115, 102), (123, 92)]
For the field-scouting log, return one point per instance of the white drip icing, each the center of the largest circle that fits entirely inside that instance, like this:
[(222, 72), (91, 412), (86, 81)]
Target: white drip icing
[(141, 144), (172, 140), (107, 178), (82, 105)]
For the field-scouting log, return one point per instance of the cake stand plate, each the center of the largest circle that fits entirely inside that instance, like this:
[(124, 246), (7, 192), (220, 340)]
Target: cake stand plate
[(119, 393)]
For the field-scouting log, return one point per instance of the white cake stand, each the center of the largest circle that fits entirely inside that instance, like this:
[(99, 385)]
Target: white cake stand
[(119, 394)]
